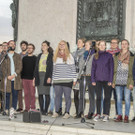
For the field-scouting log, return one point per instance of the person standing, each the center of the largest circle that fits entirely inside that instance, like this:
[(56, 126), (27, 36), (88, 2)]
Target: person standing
[(85, 77), (2, 56), (29, 63), (64, 76), (123, 79), (23, 46), (133, 120), (11, 82), (102, 77), (43, 76), (78, 54), (113, 50)]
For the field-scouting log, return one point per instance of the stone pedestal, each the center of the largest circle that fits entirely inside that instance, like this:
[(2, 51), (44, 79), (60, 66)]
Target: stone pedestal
[(56, 20)]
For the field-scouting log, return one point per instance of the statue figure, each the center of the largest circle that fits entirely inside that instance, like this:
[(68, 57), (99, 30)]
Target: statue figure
[(14, 9)]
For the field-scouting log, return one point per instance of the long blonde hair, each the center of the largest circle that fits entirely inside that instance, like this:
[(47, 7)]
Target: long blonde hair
[(97, 49), (66, 51)]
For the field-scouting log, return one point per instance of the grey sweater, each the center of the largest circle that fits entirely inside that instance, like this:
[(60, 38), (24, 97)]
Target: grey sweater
[(88, 66)]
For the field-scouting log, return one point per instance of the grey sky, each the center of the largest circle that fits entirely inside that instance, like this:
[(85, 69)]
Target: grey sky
[(6, 31)]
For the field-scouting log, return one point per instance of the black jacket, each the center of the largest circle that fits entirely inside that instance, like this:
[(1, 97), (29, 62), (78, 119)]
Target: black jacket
[(49, 69)]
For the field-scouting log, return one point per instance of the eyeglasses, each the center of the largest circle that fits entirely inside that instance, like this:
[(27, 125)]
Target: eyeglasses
[(114, 43)]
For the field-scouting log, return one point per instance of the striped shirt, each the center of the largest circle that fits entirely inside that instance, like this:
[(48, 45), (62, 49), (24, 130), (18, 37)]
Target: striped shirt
[(64, 72)]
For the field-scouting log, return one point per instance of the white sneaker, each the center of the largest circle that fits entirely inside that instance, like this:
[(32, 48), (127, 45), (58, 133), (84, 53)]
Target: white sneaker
[(74, 115), (106, 118), (97, 118), (11, 113), (66, 116), (55, 115)]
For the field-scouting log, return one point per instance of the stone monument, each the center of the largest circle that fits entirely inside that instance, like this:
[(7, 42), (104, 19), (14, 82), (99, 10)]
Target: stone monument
[(101, 19)]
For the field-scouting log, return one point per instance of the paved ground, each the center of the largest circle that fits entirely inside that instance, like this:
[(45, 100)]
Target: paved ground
[(75, 123)]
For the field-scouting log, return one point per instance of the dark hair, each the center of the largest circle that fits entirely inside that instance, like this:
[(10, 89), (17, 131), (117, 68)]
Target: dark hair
[(0, 44), (4, 43), (125, 40), (116, 40), (50, 50), (10, 41), (32, 45), (24, 42)]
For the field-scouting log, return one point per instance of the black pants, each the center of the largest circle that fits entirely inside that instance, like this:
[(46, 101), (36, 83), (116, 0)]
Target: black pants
[(1, 101), (84, 82), (76, 100), (41, 103), (107, 97), (115, 99)]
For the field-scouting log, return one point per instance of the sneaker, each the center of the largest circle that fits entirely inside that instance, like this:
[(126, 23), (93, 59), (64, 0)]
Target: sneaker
[(66, 116), (78, 116), (126, 119), (19, 110), (50, 113), (119, 118), (11, 113), (6, 112), (106, 118), (44, 113), (89, 116), (55, 115), (74, 115), (60, 111), (97, 117), (133, 120)]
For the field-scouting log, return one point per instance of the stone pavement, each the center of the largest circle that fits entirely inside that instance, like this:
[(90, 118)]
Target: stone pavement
[(67, 126)]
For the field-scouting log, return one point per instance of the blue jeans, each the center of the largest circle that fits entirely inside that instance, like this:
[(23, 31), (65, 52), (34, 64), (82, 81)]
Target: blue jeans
[(52, 96), (119, 93), (14, 97), (134, 99), (59, 90)]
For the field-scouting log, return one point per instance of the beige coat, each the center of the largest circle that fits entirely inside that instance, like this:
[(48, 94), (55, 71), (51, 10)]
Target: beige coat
[(7, 72)]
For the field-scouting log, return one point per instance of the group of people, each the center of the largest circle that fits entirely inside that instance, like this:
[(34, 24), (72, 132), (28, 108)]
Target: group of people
[(102, 72)]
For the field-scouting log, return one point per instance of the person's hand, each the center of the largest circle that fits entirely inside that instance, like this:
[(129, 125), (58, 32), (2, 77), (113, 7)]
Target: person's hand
[(130, 87), (94, 84), (34, 82), (74, 83), (109, 84), (11, 77), (49, 80), (113, 85)]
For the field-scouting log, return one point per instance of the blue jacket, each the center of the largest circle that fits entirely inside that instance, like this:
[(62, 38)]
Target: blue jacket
[(102, 68)]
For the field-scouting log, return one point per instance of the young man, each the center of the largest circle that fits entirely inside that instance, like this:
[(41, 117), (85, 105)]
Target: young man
[(2, 55), (113, 50), (11, 82), (29, 63), (23, 46)]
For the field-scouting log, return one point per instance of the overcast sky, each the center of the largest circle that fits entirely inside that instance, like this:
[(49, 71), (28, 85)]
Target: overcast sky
[(6, 31)]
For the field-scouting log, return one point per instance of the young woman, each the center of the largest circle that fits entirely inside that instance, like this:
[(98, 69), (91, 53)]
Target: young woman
[(123, 79), (77, 56), (133, 93), (102, 77), (85, 73), (43, 75), (64, 75)]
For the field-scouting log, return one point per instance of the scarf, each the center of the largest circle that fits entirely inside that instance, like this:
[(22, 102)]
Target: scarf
[(63, 56), (124, 58), (113, 51)]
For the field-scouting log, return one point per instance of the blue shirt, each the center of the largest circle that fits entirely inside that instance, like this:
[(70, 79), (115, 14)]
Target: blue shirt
[(12, 66)]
